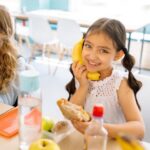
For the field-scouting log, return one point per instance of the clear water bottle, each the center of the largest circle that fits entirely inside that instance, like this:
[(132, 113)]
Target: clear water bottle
[(96, 134), (30, 105)]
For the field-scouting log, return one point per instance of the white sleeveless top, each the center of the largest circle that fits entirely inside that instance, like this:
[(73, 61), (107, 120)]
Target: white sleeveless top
[(105, 92)]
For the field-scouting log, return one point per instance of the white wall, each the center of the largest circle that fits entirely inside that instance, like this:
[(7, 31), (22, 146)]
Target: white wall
[(12, 5), (144, 100), (135, 51)]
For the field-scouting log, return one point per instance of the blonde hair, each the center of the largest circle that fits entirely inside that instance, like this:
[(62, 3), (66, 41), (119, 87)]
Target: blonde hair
[(8, 53)]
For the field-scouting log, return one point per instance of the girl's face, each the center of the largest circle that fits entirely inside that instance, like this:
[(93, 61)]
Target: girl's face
[(98, 52)]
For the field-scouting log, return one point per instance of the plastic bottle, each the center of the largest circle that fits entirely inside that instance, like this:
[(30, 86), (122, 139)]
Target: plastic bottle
[(96, 134), (29, 103)]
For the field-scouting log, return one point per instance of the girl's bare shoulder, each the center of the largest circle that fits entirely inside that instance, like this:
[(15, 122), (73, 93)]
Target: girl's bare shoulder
[(124, 87), (124, 83)]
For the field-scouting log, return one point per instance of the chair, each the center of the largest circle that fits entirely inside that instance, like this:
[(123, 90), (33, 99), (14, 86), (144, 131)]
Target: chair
[(41, 33), (68, 33), (22, 33)]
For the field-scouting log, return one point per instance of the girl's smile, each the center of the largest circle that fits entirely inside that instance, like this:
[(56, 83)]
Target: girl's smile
[(91, 65)]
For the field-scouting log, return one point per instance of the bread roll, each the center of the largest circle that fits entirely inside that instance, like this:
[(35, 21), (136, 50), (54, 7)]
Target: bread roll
[(72, 111)]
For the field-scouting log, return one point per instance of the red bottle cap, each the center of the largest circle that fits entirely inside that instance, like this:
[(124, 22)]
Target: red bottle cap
[(98, 110)]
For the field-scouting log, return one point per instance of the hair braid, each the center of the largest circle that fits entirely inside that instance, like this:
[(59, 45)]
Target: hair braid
[(70, 87), (128, 62)]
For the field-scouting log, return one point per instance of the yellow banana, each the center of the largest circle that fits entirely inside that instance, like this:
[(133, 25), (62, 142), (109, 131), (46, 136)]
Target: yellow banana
[(136, 145), (124, 144), (128, 143), (76, 56), (93, 76), (77, 50)]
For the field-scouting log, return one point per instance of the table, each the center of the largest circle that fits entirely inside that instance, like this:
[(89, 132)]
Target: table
[(4, 108), (75, 142), (72, 142), (4, 141)]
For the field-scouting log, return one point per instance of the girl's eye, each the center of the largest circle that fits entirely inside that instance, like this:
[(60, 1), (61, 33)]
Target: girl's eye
[(103, 51), (87, 45)]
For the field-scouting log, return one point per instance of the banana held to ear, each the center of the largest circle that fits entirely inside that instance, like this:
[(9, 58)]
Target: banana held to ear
[(77, 51), (127, 143), (76, 56)]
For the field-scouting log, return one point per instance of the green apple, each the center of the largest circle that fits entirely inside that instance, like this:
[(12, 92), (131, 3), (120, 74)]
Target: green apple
[(44, 144), (47, 124)]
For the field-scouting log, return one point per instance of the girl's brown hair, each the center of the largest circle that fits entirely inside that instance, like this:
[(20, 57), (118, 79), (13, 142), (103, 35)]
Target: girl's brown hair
[(116, 31), (8, 54)]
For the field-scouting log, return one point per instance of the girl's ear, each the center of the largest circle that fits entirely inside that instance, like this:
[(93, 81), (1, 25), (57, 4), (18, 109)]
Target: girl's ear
[(119, 55)]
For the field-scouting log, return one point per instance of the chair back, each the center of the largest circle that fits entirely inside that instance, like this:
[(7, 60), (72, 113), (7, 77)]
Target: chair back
[(39, 29), (68, 32)]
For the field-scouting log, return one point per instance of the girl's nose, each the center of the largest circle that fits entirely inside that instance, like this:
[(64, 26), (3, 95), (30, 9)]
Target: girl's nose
[(93, 54)]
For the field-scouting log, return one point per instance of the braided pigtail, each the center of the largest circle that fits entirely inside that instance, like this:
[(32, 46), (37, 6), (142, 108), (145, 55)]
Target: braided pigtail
[(70, 87), (128, 62)]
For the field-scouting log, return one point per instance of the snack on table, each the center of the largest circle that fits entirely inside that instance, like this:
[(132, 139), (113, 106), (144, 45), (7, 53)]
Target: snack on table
[(60, 127), (72, 111)]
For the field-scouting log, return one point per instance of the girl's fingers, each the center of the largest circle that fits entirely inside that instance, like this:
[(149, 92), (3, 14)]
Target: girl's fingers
[(78, 69), (80, 73), (73, 66), (78, 66), (85, 74), (82, 69), (73, 121), (80, 126)]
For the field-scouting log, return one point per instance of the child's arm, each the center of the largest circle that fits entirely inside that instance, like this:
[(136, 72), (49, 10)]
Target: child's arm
[(134, 123), (80, 74), (79, 96)]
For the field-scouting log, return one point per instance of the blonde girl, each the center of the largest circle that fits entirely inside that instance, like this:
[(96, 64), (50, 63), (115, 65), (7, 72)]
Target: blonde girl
[(10, 61)]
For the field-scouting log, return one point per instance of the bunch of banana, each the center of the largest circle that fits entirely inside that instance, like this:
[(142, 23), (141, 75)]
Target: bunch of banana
[(76, 56), (129, 143)]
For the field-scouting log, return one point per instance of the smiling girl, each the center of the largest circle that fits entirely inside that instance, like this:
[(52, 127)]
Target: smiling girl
[(103, 44)]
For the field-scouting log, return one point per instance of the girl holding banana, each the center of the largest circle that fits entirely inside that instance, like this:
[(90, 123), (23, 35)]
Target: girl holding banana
[(96, 81)]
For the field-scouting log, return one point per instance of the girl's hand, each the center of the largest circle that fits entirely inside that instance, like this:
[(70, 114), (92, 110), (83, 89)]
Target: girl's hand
[(80, 125), (80, 73)]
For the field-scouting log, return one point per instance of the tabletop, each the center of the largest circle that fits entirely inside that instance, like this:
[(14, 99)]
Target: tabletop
[(74, 141)]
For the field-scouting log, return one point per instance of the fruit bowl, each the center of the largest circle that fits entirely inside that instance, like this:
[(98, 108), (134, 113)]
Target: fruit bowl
[(59, 133)]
